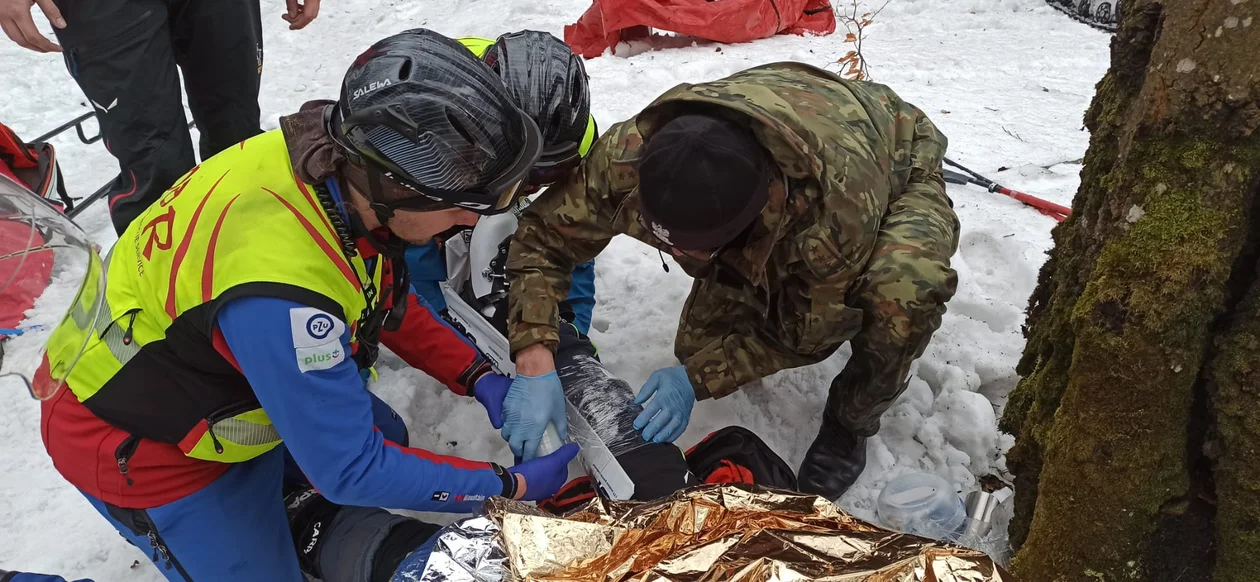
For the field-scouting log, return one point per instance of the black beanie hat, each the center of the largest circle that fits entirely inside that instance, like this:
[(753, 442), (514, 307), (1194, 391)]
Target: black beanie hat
[(702, 181)]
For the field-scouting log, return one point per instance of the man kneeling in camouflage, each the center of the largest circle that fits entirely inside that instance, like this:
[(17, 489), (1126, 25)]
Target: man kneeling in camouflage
[(809, 209)]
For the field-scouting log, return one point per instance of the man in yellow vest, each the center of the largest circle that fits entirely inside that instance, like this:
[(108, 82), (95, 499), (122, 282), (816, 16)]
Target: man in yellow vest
[(246, 305)]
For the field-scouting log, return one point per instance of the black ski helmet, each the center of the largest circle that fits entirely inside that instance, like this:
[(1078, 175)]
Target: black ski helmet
[(421, 109), (549, 82)]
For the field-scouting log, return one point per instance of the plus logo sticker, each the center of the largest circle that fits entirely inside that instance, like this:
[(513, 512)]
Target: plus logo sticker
[(316, 338)]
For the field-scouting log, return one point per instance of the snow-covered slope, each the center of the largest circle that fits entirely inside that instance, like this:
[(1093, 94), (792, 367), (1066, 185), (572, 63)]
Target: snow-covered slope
[(1006, 80)]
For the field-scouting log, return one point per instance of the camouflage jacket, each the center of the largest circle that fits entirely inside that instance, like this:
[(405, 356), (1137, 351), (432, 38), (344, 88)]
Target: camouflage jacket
[(855, 240)]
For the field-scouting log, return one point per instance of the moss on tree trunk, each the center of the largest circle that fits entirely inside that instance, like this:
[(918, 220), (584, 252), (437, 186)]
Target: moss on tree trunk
[(1139, 325)]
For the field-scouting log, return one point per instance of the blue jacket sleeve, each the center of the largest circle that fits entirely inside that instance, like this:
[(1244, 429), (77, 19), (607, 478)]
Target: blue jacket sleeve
[(426, 269), (582, 295), (28, 577), (296, 358)]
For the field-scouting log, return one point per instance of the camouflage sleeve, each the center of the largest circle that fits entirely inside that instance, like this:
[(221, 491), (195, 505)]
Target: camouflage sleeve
[(566, 226), (722, 345), (907, 280)]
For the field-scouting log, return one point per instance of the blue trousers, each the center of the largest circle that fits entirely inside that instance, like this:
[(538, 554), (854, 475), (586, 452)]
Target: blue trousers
[(235, 528)]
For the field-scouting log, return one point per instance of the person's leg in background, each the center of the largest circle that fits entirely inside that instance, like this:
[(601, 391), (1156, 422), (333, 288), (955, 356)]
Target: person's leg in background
[(120, 54), (218, 44), (607, 404), (338, 543), (233, 529)]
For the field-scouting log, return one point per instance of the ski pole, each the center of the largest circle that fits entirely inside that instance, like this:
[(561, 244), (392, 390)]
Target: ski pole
[(1055, 211), (97, 195), (77, 124)]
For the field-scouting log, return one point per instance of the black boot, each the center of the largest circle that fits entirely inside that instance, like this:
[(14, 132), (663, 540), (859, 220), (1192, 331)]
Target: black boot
[(833, 463), (310, 515)]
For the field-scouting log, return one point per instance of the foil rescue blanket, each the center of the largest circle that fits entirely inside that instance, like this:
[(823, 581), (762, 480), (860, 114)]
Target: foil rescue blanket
[(715, 532)]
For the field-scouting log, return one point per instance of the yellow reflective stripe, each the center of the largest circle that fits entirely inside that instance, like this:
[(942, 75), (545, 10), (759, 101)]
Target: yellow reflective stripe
[(232, 452), (589, 138), (122, 350), (245, 433)]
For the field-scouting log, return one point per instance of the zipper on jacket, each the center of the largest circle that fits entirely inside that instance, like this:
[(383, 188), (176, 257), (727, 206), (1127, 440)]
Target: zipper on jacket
[(131, 323), (218, 446), (123, 454), (224, 413), (160, 551)]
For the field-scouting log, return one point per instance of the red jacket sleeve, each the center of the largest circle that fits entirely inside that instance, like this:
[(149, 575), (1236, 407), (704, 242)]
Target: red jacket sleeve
[(432, 346)]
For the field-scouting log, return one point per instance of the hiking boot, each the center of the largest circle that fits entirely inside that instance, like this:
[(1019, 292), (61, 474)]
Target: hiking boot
[(834, 462)]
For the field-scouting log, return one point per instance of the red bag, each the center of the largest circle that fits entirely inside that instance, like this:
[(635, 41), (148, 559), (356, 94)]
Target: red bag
[(33, 165), (608, 22), (23, 275)]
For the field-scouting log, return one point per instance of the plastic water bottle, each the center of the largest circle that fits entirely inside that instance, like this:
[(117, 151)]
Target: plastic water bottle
[(922, 504)]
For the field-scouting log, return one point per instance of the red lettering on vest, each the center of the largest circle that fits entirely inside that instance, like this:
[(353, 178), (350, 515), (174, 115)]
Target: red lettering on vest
[(178, 188), (155, 239)]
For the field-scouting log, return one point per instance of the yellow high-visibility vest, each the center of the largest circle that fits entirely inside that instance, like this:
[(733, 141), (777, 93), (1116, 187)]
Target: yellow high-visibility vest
[(240, 224)]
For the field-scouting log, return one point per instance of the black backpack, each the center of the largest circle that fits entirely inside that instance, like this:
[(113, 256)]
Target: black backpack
[(730, 455)]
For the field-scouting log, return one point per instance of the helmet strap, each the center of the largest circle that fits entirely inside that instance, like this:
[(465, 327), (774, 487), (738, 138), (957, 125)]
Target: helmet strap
[(383, 212)]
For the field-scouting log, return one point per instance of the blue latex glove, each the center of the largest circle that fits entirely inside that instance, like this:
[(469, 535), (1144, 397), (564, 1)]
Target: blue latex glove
[(667, 415), (545, 476), (490, 390), (531, 403)]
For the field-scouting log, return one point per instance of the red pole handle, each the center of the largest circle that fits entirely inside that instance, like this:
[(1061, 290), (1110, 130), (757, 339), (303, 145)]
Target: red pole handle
[(1044, 205)]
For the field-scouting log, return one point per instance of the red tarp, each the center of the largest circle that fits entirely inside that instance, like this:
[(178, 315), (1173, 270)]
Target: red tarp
[(607, 22)]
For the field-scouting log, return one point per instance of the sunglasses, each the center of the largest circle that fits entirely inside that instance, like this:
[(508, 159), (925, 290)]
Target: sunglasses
[(493, 198), (713, 255)]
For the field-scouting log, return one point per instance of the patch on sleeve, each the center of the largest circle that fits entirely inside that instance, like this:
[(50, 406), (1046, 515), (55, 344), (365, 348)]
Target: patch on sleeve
[(316, 338)]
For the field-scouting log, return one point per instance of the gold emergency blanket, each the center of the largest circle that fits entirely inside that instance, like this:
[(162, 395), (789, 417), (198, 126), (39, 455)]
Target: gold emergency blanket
[(723, 532)]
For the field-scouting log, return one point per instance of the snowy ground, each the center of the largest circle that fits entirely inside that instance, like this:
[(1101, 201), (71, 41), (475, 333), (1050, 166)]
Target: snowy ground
[(1006, 80)]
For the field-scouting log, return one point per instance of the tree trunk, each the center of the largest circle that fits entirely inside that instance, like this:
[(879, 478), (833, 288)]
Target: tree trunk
[(1137, 421)]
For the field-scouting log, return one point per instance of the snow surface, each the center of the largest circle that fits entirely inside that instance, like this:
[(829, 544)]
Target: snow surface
[(1006, 80)]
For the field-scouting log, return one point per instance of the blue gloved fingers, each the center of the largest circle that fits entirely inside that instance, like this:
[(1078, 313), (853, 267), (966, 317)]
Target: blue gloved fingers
[(560, 419), (673, 431), (531, 449), (566, 454), (491, 391), (545, 475), (644, 417), (517, 444), (649, 388), (657, 426)]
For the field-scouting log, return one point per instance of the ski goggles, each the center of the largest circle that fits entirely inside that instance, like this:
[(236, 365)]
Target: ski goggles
[(493, 198), (555, 164)]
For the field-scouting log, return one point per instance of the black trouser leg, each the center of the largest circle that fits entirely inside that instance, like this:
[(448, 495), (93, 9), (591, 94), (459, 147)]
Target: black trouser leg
[(120, 54), (218, 44)]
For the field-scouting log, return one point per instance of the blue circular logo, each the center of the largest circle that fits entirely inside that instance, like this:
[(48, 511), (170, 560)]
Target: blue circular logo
[(319, 325)]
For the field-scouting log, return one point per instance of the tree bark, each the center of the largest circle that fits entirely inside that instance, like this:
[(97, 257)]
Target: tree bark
[(1139, 405)]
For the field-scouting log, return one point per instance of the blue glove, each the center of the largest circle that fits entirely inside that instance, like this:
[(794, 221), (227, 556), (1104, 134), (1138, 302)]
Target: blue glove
[(545, 476), (531, 403), (489, 390), (670, 411)]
